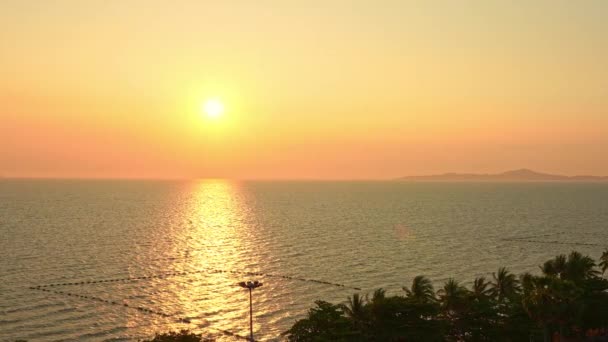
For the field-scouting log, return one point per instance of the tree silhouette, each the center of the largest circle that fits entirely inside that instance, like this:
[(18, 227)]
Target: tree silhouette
[(505, 284), (604, 261), (421, 290)]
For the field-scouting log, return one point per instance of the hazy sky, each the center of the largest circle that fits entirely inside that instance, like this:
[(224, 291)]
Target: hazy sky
[(312, 89)]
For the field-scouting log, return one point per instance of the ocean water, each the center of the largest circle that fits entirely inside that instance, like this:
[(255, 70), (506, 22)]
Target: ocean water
[(121, 260)]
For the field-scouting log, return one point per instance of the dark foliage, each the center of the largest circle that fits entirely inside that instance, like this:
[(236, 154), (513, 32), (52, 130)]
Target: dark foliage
[(325, 322), (180, 336), (569, 299)]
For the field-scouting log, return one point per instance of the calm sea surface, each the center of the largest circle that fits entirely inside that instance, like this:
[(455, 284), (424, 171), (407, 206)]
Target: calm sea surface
[(121, 260)]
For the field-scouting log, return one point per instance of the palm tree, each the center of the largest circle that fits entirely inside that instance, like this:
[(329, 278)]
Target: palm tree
[(579, 268), (480, 289), (355, 308), (377, 296), (604, 261), (538, 302), (505, 284), (527, 282), (453, 299), (421, 290), (452, 296), (555, 267), (550, 300)]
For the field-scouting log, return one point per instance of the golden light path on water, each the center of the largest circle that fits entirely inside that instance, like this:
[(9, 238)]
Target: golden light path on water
[(217, 235)]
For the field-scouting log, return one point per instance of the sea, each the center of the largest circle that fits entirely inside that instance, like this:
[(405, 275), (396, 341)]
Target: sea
[(121, 260)]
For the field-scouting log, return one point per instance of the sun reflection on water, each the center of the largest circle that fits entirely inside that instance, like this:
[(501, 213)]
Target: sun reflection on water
[(213, 235)]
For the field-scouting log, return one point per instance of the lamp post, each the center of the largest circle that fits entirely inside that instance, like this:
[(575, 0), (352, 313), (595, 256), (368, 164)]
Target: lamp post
[(250, 285)]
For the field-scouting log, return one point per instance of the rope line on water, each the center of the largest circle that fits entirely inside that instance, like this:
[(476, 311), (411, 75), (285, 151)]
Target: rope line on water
[(178, 274), (557, 242), (525, 237), (126, 305)]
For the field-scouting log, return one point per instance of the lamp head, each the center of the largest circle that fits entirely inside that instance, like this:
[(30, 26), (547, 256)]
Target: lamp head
[(250, 284)]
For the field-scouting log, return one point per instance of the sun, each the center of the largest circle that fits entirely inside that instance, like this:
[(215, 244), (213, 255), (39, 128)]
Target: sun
[(213, 108)]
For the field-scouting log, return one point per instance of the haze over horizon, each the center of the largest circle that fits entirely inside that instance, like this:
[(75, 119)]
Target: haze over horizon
[(520, 172), (322, 90)]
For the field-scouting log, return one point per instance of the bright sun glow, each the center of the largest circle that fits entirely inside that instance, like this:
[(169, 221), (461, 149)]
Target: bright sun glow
[(213, 108)]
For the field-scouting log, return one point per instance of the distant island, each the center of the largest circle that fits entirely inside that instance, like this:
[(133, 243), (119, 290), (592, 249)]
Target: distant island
[(521, 175)]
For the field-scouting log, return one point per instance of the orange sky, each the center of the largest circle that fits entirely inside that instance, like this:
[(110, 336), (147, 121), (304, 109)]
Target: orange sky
[(316, 89)]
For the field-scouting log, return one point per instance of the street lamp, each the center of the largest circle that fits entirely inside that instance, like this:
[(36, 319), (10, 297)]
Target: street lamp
[(250, 285)]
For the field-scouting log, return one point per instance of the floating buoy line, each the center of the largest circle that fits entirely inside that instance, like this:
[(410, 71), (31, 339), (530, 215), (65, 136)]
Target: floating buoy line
[(557, 242), (535, 239), (178, 274), (47, 288), (128, 306)]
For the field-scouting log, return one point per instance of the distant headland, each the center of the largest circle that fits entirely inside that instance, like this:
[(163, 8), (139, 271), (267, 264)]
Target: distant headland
[(521, 175)]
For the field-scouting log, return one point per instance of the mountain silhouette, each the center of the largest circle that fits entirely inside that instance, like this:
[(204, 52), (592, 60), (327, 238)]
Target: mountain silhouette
[(521, 175)]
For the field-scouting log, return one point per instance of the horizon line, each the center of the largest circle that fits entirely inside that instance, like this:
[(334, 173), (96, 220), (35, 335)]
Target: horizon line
[(188, 178), (394, 178)]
